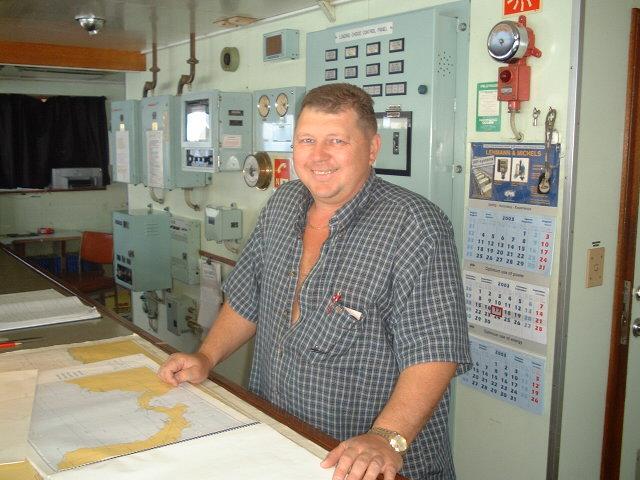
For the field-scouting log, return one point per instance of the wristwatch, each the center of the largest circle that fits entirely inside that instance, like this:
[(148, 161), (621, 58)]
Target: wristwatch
[(397, 441)]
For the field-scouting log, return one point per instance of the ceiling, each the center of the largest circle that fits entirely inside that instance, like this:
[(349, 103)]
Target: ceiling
[(129, 23)]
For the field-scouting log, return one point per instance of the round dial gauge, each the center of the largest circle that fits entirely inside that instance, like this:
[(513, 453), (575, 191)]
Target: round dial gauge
[(263, 106), (257, 170), (508, 41), (282, 104)]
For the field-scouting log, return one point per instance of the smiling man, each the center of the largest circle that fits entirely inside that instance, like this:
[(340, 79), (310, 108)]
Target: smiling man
[(352, 289)]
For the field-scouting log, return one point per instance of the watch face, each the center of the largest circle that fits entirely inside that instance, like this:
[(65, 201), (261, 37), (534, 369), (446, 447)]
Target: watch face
[(282, 104), (398, 443), (251, 171), (263, 106)]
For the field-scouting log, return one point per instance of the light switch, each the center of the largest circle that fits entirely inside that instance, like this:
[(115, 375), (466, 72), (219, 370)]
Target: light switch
[(595, 266)]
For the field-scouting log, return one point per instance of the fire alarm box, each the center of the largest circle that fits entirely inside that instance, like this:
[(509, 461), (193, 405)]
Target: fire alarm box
[(512, 42)]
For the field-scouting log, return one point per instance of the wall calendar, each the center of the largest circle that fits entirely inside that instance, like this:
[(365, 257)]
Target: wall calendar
[(521, 241), (508, 375), (514, 308)]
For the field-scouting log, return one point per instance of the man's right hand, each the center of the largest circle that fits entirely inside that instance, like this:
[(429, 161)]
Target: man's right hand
[(183, 367)]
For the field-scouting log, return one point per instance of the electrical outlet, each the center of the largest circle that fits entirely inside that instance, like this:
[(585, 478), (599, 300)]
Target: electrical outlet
[(595, 266)]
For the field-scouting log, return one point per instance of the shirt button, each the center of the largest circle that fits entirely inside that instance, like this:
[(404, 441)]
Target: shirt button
[(292, 273)]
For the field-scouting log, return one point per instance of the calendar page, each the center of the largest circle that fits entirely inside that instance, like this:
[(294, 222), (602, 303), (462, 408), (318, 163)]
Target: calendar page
[(516, 309), (521, 241), (508, 375)]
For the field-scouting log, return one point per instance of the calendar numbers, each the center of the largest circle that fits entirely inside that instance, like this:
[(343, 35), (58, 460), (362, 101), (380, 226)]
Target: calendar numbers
[(513, 377), (522, 242), (515, 308)]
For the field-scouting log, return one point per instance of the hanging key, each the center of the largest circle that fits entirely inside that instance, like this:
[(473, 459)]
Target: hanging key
[(535, 114)]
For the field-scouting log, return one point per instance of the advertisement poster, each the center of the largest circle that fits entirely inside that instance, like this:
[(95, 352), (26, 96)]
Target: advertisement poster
[(515, 172)]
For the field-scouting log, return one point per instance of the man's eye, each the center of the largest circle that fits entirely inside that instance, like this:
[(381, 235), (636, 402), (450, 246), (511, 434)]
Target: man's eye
[(337, 141), (305, 140)]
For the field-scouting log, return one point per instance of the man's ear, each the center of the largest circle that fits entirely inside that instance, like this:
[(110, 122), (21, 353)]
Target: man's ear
[(374, 148)]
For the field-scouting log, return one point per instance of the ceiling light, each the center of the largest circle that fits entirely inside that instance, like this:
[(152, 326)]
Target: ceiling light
[(90, 23)]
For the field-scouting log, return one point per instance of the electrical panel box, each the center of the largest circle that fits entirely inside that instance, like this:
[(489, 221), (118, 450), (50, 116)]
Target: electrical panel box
[(161, 147), (216, 130), (185, 249), (124, 142), (223, 223), (182, 312), (274, 118), (281, 45), (142, 257), (414, 66)]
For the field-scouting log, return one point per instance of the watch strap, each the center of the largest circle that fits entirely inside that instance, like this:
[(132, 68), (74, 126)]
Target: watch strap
[(396, 441)]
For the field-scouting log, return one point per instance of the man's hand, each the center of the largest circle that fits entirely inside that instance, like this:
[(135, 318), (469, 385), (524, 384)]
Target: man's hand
[(183, 367), (363, 457)]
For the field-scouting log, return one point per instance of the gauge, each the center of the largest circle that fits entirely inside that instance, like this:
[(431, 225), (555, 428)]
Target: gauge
[(282, 104), (263, 106), (257, 170), (508, 41)]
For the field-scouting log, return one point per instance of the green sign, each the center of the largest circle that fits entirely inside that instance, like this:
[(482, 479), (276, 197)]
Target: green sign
[(487, 107)]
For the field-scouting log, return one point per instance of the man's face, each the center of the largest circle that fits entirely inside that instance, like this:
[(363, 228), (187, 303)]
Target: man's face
[(333, 155)]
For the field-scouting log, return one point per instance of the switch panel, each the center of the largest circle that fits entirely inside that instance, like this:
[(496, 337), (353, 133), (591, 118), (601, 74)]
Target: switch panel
[(595, 266)]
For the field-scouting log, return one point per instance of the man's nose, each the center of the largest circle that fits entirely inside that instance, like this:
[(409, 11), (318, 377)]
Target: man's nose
[(320, 151)]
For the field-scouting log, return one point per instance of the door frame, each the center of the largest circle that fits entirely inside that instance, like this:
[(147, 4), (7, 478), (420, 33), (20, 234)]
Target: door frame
[(625, 264)]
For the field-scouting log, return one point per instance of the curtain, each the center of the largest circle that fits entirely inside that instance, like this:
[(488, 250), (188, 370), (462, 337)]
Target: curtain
[(62, 132)]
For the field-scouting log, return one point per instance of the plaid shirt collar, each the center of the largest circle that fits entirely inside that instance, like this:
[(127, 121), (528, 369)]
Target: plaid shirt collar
[(348, 213)]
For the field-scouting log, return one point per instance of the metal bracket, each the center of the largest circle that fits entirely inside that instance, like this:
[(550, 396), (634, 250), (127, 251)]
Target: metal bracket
[(328, 9)]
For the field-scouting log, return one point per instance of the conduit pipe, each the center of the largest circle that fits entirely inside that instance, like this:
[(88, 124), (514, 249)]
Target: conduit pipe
[(188, 79), (154, 70)]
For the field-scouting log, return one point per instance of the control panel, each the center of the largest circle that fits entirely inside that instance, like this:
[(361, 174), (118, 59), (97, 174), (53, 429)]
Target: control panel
[(274, 118), (141, 253), (216, 130), (124, 142), (185, 246), (161, 148), (414, 66)]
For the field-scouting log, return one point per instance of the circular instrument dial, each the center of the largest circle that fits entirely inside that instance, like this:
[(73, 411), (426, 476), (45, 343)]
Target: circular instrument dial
[(282, 104), (257, 170), (264, 106)]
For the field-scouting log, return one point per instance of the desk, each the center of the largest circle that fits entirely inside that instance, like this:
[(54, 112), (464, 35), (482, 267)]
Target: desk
[(21, 276), (60, 237)]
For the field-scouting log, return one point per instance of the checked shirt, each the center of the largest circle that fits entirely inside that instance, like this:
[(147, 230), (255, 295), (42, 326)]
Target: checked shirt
[(385, 294)]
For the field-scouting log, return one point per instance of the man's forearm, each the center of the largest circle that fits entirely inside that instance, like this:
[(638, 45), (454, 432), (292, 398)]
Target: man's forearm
[(228, 333), (415, 396)]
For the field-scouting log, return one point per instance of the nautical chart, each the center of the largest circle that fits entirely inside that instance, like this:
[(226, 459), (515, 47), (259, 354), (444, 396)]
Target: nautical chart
[(88, 413)]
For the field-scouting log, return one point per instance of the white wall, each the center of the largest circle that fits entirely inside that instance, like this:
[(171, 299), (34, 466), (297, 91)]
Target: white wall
[(599, 160)]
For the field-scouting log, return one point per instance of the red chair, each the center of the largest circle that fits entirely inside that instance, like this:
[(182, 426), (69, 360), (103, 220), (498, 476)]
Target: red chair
[(97, 248)]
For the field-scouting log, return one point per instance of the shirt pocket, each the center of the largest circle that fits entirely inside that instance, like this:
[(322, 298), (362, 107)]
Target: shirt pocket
[(334, 335)]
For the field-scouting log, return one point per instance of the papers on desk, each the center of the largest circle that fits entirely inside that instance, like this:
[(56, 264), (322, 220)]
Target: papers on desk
[(18, 390), (41, 307), (116, 419)]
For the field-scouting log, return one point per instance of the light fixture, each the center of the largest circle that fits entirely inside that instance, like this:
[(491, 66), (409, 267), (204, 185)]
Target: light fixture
[(90, 23)]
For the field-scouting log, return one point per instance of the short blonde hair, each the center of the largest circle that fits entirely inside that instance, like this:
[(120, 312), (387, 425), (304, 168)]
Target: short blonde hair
[(340, 97)]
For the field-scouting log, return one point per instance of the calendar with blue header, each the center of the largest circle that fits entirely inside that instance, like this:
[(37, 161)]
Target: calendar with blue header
[(508, 375), (520, 241)]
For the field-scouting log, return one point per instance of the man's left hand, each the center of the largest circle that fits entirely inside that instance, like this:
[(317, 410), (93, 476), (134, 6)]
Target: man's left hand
[(363, 457)]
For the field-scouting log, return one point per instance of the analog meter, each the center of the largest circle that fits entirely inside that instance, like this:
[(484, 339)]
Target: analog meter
[(257, 170), (282, 104), (263, 106)]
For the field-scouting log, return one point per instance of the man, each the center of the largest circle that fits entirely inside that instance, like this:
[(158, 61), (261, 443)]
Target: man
[(352, 288)]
